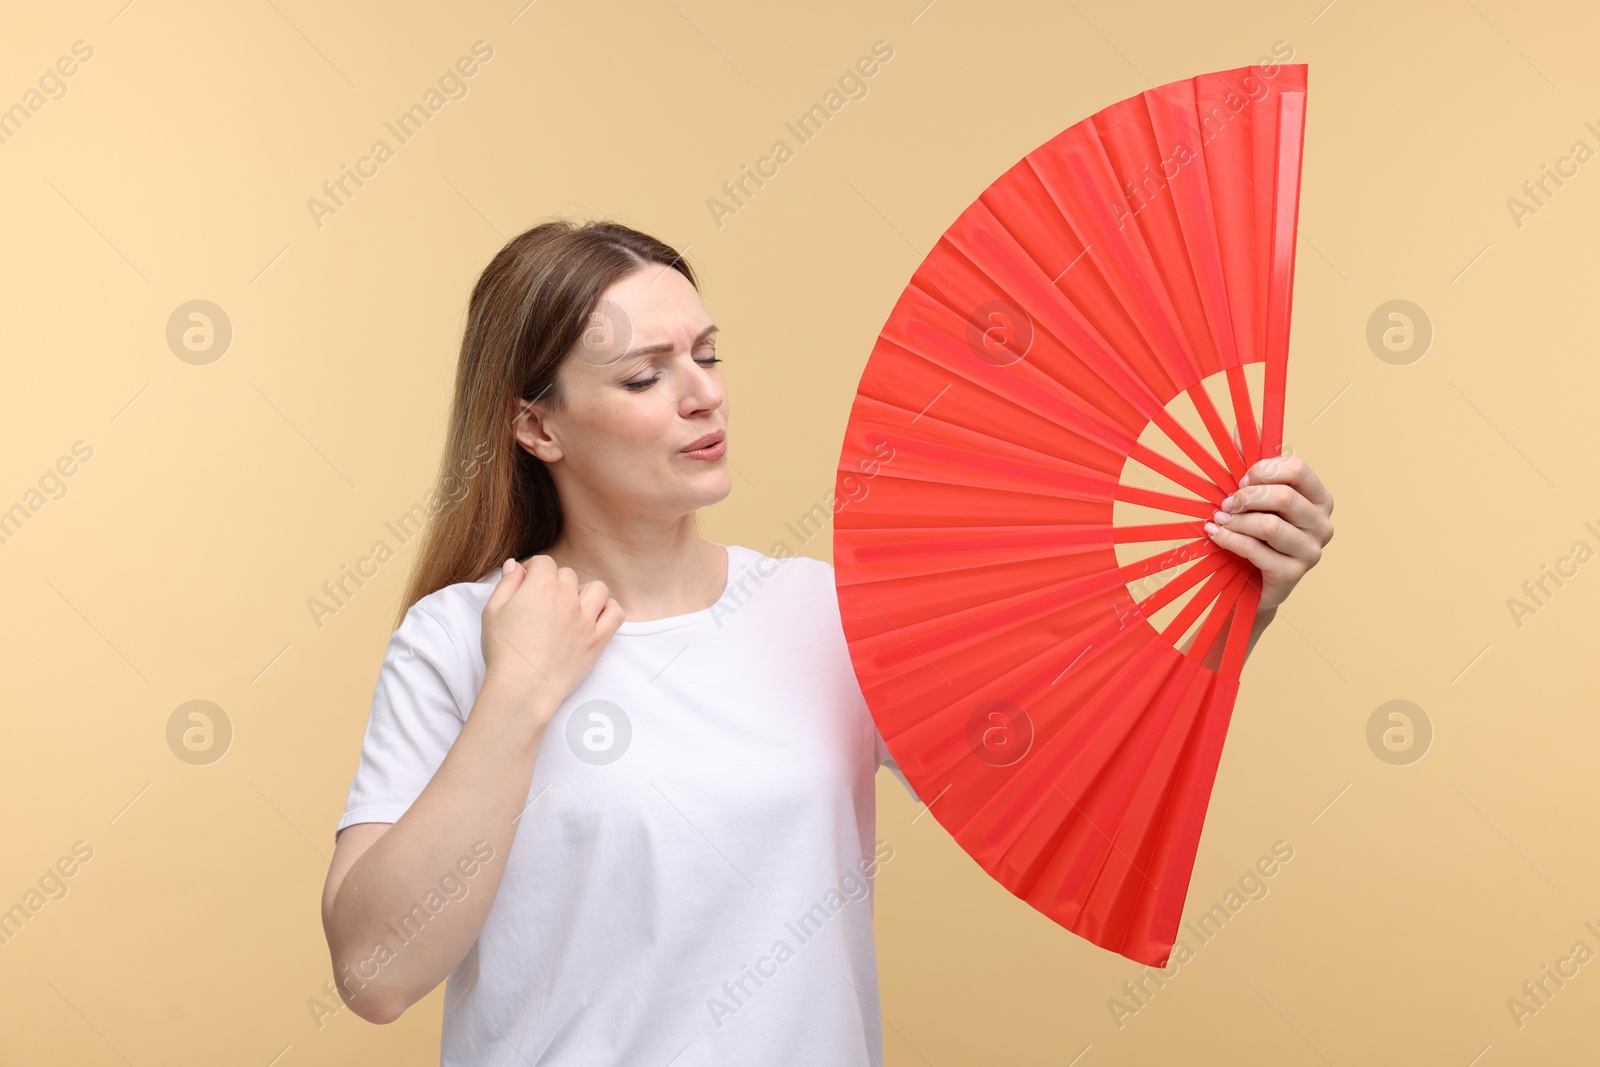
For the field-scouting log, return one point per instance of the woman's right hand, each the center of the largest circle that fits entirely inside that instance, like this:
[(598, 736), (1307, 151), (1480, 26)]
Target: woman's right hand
[(542, 631)]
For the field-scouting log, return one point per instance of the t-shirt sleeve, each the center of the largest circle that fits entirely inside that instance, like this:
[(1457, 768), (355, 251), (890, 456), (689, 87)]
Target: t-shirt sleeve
[(414, 719), (886, 760), (882, 758)]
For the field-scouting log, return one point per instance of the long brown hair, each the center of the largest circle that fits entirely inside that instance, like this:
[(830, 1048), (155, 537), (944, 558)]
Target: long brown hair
[(529, 309)]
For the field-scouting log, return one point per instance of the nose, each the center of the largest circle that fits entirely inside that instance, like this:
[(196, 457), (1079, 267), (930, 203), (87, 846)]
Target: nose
[(703, 391)]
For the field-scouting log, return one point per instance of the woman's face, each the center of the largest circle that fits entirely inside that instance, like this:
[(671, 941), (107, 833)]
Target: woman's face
[(642, 386)]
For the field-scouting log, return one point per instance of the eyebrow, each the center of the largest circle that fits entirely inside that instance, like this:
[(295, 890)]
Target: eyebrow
[(665, 346)]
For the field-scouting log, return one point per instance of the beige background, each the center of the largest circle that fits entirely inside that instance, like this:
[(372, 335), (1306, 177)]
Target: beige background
[(218, 498)]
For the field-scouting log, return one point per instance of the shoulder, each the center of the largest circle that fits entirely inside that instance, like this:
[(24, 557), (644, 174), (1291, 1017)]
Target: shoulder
[(447, 622), (796, 589), (452, 603), (439, 642), (749, 568)]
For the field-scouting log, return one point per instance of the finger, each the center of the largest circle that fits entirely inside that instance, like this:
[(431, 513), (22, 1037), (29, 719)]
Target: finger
[(592, 598), (611, 617), (1282, 499), (538, 569), (1292, 471), (511, 575), (1278, 534), (1266, 559), (538, 573)]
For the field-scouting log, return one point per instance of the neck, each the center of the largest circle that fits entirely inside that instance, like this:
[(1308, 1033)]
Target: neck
[(654, 574)]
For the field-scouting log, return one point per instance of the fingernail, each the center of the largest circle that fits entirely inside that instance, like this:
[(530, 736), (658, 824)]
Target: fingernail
[(505, 568), (1244, 481), (1221, 516), (1227, 505), (1211, 528)]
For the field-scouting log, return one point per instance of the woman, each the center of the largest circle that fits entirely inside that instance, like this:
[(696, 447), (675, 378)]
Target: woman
[(619, 795)]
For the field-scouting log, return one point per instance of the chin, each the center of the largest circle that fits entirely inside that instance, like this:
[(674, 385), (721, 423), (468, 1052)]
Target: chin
[(712, 489)]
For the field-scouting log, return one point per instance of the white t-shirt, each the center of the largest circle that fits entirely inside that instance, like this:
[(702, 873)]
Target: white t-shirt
[(690, 882)]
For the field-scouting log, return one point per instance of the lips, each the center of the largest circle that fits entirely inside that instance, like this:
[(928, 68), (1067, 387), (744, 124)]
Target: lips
[(704, 442)]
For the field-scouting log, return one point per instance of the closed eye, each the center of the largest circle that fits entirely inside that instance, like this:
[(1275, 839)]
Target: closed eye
[(640, 385)]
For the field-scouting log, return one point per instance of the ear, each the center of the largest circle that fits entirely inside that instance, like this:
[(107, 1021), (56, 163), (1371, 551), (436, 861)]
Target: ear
[(532, 430)]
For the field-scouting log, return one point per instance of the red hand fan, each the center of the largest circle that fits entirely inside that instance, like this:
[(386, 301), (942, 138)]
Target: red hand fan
[(1082, 348)]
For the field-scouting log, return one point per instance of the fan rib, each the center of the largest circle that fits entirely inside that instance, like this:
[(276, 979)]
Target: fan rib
[(1191, 481), (1291, 128)]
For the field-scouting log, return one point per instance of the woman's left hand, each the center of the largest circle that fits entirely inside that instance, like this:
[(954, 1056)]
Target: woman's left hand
[(1280, 519)]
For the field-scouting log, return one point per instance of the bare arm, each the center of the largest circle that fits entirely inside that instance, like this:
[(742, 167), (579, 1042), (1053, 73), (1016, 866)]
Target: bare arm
[(464, 820)]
